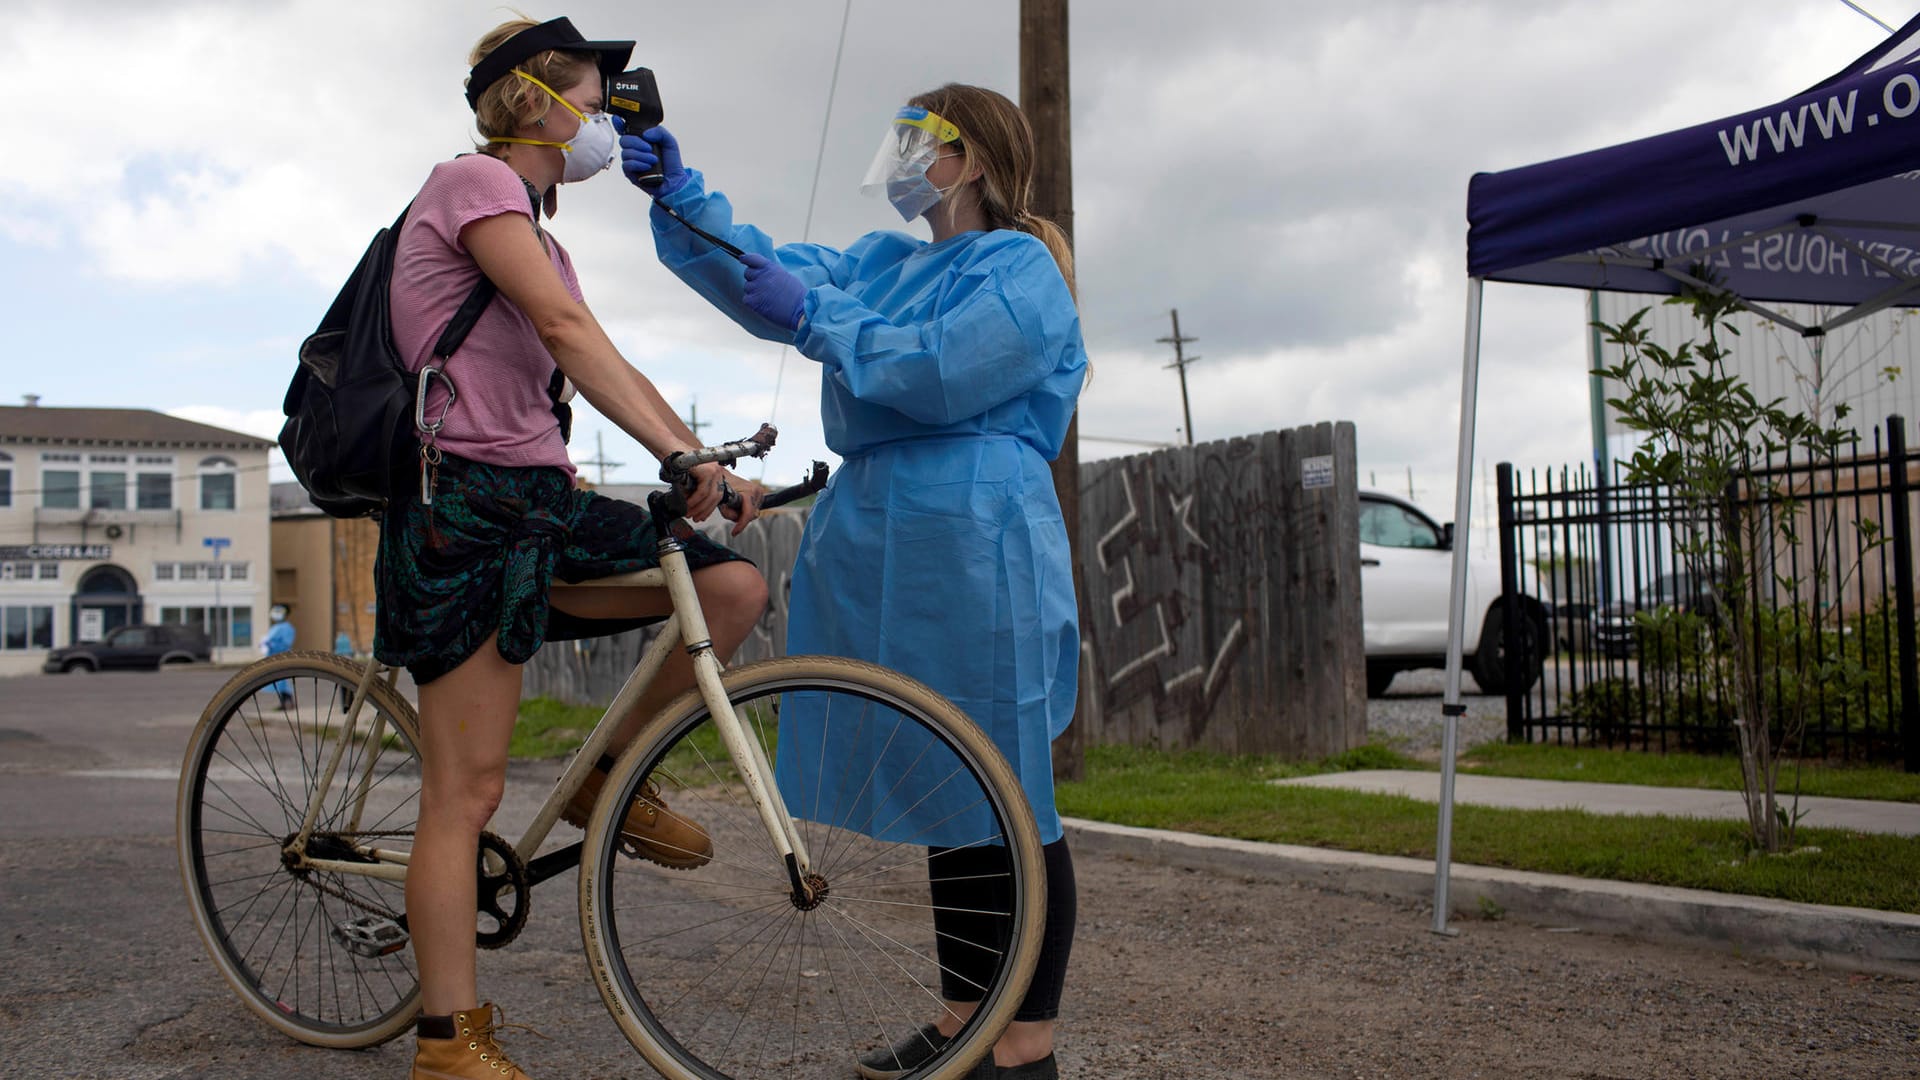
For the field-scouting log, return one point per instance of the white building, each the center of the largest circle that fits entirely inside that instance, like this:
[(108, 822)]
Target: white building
[(111, 517), (1871, 366)]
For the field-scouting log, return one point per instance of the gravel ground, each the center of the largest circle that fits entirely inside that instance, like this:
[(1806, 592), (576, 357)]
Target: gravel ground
[(1185, 974), (1175, 973), (1408, 717)]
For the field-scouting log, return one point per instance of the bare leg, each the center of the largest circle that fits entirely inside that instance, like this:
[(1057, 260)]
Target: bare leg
[(732, 594), (466, 723)]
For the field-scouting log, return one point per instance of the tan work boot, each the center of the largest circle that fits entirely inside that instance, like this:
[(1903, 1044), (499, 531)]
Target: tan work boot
[(471, 1054), (651, 831)]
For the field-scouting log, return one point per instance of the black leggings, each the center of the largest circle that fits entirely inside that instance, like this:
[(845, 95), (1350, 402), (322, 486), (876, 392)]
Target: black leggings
[(972, 899)]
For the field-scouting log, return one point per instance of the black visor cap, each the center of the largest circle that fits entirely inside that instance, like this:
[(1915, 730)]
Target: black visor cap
[(534, 40)]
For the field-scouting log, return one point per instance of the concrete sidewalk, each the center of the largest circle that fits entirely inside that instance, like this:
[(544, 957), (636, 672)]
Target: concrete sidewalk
[(1857, 815)]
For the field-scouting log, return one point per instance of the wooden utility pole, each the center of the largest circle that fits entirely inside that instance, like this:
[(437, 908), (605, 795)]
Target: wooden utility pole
[(599, 458), (693, 421), (1180, 361), (1045, 98)]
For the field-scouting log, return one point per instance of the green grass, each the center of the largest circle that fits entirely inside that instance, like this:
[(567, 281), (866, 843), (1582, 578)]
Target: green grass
[(550, 729), (1219, 795), (1721, 773), (1230, 796)]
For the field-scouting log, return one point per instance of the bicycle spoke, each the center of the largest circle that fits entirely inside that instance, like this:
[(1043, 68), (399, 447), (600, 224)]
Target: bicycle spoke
[(726, 969), (273, 923)]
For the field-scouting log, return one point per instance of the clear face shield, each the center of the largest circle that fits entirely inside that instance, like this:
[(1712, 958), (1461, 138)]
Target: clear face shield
[(899, 169)]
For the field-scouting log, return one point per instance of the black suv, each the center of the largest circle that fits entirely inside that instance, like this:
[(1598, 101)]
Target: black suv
[(133, 647)]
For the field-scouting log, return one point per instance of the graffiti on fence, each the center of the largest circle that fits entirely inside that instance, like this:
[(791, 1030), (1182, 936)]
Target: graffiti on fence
[(1147, 559)]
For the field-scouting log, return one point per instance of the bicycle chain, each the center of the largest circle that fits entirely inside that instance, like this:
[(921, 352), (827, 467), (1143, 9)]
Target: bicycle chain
[(510, 923), (342, 894)]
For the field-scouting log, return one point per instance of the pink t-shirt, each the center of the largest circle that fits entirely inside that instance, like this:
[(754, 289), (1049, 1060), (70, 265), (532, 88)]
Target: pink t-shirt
[(503, 415)]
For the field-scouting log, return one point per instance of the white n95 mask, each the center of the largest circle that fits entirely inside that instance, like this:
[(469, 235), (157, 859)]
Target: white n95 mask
[(591, 149)]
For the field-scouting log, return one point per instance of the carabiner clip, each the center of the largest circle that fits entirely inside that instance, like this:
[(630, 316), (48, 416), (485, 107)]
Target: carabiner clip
[(427, 375)]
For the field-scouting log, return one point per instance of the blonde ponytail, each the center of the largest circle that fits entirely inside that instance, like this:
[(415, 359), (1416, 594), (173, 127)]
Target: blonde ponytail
[(1057, 243)]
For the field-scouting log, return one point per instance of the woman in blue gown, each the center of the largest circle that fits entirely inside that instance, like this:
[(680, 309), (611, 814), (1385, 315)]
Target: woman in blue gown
[(951, 370)]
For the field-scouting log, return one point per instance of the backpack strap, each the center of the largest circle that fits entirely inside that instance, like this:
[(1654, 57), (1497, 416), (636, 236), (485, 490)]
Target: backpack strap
[(462, 322)]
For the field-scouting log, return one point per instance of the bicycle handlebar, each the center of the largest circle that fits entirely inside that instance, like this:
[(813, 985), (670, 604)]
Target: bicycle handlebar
[(677, 470)]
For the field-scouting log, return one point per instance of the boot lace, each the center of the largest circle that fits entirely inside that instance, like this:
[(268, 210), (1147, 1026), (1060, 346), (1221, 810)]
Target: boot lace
[(490, 1050)]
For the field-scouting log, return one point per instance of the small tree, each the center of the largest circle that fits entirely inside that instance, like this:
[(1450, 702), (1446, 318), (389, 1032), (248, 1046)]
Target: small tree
[(1708, 442)]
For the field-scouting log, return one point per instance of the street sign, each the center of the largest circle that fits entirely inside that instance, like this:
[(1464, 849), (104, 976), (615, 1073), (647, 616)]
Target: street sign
[(217, 542)]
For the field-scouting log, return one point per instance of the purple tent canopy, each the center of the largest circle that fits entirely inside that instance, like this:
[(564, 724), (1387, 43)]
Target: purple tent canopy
[(1814, 199)]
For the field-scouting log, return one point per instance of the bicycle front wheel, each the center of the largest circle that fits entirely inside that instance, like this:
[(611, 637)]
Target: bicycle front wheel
[(318, 955), (725, 969)]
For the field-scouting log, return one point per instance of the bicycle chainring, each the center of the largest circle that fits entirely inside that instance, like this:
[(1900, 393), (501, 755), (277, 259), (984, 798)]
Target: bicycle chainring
[(504, 895)]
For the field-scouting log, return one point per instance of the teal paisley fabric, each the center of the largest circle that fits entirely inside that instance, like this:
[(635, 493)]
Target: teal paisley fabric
[(482, 557)]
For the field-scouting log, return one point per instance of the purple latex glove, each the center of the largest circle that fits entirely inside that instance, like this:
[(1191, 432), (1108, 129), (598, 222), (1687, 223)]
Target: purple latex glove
[(772, 292), (639, 152)]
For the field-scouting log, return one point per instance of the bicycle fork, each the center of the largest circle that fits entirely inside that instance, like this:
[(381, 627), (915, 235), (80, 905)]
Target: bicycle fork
[(747, 754)]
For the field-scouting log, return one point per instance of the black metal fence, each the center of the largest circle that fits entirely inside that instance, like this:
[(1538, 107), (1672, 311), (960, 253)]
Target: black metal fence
[(1638, 650)]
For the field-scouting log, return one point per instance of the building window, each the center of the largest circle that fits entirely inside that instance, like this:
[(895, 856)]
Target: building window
[(223, 626), (236, 571), (155, 491), (60, 489), (217, 484), (49, 571), (163, 571), (26, 627), (108, 490)]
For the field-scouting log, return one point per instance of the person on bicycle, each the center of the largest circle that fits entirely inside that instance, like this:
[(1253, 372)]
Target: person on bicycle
[(464, 567), (951, 370)]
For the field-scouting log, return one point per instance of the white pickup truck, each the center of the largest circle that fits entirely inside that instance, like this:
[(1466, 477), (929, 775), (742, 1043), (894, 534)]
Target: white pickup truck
[(1406, 567)]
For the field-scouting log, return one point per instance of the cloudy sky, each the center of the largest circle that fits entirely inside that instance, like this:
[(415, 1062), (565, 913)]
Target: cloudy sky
[(194, 180)]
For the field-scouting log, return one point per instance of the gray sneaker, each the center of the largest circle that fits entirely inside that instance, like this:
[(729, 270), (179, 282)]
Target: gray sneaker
[(904, 1056)]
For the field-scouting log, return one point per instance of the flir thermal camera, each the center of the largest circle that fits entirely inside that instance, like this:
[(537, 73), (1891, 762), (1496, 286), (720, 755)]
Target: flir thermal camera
[(635, 99)]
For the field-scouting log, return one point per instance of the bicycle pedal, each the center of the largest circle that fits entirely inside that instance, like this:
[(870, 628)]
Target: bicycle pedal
[(371, 936)]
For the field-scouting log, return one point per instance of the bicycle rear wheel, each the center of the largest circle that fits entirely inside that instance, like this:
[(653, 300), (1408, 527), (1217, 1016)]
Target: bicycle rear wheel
[(292, 941), (723, 971)]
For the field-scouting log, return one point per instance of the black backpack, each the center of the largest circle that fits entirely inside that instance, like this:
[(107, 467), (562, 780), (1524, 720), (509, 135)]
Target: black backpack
[(349, 434)]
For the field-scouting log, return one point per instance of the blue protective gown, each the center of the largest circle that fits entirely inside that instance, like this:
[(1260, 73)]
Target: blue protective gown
[(950, 374), (278, 640)]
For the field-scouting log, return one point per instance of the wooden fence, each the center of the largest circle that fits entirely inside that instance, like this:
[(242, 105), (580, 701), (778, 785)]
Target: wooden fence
[(1222, 607)]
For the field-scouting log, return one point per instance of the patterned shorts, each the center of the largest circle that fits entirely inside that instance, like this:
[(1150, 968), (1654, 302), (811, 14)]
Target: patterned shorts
[(480, 561)]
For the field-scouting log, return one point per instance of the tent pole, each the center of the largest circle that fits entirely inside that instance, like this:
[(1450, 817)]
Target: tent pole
[(1451, 709)]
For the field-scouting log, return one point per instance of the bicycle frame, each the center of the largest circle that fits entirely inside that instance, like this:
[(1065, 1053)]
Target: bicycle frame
[(688, 626)]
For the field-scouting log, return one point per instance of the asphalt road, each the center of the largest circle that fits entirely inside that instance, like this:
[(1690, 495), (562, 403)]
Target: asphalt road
[(1175, 973)]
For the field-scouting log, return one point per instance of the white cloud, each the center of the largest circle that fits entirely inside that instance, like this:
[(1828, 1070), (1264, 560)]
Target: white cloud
[(1291, 175)]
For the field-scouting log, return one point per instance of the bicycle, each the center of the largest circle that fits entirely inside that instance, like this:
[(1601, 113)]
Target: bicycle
[(802, 941)]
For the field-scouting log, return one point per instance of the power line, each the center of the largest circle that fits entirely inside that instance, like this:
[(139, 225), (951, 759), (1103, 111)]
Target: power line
[(806, 227), (599, 458)]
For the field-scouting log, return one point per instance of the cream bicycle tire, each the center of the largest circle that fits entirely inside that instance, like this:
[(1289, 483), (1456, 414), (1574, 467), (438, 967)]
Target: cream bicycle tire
[(242, 791), (647, 989)]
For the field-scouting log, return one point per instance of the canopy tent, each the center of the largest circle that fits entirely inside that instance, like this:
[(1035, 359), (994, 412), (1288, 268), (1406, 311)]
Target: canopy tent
[(1814, 199)]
